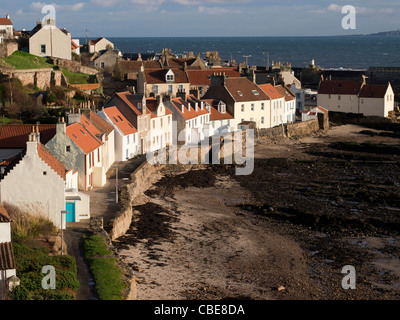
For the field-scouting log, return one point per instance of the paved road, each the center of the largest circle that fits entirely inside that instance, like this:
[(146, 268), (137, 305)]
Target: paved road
[(102, 203)]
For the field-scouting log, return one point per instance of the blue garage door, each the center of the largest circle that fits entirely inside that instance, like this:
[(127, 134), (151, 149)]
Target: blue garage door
[(70, 206)]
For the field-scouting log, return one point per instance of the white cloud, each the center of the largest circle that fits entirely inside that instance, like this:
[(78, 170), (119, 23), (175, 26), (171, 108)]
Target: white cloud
[(216, 10), (38, 6)]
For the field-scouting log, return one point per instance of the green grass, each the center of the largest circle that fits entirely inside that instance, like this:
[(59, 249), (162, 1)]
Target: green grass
[(107, 275), (77, 78), (22, 60)]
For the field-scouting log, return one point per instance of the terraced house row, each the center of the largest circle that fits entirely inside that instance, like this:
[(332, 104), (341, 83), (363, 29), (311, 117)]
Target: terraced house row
[(74, 155)]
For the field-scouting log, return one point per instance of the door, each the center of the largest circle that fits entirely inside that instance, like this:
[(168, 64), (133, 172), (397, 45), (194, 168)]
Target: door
[(70, 207)]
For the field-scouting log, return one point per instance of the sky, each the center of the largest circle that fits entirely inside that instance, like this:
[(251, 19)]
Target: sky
[(196, 18)]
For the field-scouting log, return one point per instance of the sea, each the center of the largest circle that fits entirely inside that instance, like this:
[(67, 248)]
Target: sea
[(333, 52)]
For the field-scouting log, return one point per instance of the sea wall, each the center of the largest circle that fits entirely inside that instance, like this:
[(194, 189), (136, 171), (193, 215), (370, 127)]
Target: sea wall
[(131, 195)]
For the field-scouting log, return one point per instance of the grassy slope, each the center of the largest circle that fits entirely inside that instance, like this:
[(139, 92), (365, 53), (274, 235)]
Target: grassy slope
[(76, 78), (21, 60)]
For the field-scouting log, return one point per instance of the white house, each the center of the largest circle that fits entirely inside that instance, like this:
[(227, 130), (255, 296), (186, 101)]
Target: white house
[(278, 107), (6, 28), (244, 99), (191, 117), (376, 100), (7, 260), (220, 119), (290, 103), (126, 136), (160, 124), (300, 97), (36, 183), (78, 149), (356, 97), (75, 46), (49, 41), (99, 45), (313, 113)]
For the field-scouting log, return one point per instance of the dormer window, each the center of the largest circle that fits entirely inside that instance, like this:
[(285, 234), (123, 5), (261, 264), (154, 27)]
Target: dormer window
[(222, 107), (170, 76), (255, 92)]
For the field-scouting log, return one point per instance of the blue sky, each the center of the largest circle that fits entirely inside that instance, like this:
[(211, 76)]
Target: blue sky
[(165, 18)]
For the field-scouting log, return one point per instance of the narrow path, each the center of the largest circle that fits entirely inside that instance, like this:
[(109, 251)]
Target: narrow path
[(102, 203)]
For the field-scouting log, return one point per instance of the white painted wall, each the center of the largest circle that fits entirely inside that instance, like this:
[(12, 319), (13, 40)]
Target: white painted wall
[(257, 111), (278, 112), (5, 232), (28, 187), (57, 43), (338, 103)]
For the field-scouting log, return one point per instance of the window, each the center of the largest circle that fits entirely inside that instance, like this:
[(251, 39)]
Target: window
[(262, 120), (161, 122), (255, 92), (340, 97), (102, 65), (252, 107), (170, 77), (68, 148), (127, 139), (155, 89), (170, 89), (262, 106), (240, 93), (180, 87), (45, 173), (242, 107), (43, 49)]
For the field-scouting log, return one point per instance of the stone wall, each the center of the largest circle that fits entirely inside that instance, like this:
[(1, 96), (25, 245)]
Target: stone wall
[(296, 130), (132, 194), (7, 49), (74, 66), (41, 78)]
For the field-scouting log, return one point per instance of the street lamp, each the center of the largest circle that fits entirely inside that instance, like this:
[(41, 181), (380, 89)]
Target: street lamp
[(116, 184), (63, 215), (246, 59)]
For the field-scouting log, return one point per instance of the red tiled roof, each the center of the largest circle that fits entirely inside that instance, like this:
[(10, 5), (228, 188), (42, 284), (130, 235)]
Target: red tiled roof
[(271, 91), (100, 123), (134, 66), (129, 98), (285, 93), (159, 76), (151, 104), (178, 102), (323, 110), (51, 161), (93, 42), (339, 87), (15, 136), (4, 217), (120, 121), (5, 22), (203, 77), (83, 139), (7, 260), (90, 127), (215, 115), (74, 46), (374, 91), (242, 89)]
